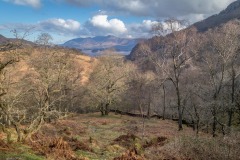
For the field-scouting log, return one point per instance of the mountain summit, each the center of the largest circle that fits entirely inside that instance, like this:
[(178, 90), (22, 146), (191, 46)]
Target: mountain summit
[(230, 13)]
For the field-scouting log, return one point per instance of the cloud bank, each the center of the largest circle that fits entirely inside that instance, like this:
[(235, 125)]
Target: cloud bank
[(102, 23), (95, 26), (59, 25), (32, 3), (194, 9)]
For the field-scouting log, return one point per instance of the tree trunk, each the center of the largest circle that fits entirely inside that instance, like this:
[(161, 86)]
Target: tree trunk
[(149, 106), (34, 127), (197, 125), (230, 116), (179, 109), (164, 102), (107, 109), (6, 120), (230, 111), (101, 109), (19, 134), (194, 125), (140, 109), (143, 120), (197, 119), (5, 130), (214, 125), (179, 119), (47, 106)]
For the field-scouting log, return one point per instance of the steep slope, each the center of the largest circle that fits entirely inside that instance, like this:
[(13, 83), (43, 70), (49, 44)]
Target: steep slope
[(230, 13), (99, 43), (3, 39), (23, 42), (80, 63)]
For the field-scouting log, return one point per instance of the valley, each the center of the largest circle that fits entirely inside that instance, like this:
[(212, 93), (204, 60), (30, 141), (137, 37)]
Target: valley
[(155, 90)]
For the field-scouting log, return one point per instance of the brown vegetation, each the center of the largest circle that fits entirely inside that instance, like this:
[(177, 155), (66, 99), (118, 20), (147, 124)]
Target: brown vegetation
[(55, 148), (130, 155)]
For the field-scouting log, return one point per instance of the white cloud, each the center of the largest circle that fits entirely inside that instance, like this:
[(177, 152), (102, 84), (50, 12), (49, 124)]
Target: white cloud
[(100, 21), (154, 8), (147, 24), (32, 3), (141, 29), (68, 26), (58, 27), (100, 24)]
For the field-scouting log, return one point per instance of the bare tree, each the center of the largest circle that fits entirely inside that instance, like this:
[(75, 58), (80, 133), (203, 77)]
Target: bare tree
[(107, 81), (221, 57), (45, 87), (175, 56), (141, 90), (11, 108), (230, 39), (44, 39)]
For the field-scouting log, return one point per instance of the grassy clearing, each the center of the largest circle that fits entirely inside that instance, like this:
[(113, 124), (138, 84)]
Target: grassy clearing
[(18, 151), (93, 137), (21, 156)]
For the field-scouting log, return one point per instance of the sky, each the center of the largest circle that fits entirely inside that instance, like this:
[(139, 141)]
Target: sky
[(68, 19)]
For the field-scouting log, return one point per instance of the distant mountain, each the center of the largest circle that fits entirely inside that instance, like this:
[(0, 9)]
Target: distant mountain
[(3, 39), (93, 45), (230, 13)]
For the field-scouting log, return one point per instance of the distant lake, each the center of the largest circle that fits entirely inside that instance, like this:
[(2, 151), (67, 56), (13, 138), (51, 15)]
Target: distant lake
[(97, 53)]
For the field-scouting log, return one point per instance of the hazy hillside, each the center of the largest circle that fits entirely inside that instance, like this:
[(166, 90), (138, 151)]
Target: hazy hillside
[(3, 39)]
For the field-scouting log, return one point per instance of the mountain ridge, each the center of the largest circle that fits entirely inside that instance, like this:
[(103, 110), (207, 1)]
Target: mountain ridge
[(93, 45), (231, 13)]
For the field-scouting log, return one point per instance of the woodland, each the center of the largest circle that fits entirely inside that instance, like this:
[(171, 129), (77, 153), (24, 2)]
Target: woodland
[(176, 96)]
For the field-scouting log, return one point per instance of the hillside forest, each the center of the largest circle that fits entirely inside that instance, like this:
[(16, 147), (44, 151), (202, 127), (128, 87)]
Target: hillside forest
[(51, 97)]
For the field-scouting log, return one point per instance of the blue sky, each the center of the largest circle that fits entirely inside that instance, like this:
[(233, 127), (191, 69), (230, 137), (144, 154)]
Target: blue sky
[(67, 19)]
